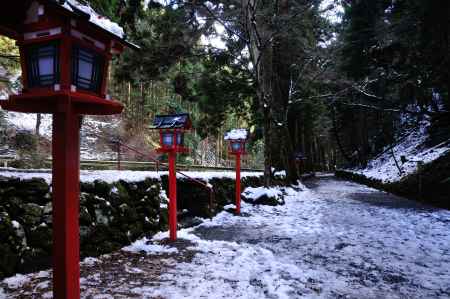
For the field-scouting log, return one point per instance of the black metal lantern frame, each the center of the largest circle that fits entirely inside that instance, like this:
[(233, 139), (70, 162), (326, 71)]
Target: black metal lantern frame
[(87, 68), (167, 139), (43, 64), (180, 138), (172, 138)]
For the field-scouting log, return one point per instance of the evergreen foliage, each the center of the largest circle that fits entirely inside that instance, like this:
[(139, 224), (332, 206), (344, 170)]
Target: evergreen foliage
[(335, 92), (394, 58)]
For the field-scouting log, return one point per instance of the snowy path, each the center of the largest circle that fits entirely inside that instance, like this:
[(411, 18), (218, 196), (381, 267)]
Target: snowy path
[(339, 240), (336, 240)]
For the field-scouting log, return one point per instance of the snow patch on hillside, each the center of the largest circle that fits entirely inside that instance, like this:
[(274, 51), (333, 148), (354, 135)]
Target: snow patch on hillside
[(92, 133), (413, 148), (27, 121)]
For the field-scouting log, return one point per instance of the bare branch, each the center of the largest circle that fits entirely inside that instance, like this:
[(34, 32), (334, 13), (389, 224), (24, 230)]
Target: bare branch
[(220, 21)]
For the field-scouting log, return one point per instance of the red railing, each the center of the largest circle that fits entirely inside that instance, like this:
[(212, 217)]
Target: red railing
[(158, 164)]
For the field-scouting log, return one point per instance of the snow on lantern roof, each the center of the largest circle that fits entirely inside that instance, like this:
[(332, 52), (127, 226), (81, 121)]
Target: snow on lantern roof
[(85, 10), (236, 134), (94, 17), (12, 18), (173, 121)]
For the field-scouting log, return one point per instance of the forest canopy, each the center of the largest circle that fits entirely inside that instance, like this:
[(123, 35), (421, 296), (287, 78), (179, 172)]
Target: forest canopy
[(334, 81)]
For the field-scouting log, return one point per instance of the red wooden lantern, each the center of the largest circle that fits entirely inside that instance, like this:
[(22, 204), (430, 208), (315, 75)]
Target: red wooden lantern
[(171, 132), (172, 140), (171, 136), (65, 50), (236, 147)]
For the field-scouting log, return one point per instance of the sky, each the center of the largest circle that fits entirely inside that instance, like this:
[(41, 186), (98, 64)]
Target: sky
[(334, 14)]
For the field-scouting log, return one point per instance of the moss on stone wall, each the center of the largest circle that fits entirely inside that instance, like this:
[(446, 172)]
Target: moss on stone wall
[(196, 199), (111, 215)]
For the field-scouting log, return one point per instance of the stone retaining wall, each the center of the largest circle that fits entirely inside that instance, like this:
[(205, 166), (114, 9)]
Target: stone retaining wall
[(112, 215)]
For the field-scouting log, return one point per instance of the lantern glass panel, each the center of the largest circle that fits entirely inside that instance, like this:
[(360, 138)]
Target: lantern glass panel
[(86, 69), (180, 138), (43, 65), (236, 146), (46, 66), (167, 139)]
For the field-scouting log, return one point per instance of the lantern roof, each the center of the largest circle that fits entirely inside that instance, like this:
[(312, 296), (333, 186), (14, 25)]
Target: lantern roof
[(85, 11), (172, 121), (236, 134), (11, 19), (300, 156)]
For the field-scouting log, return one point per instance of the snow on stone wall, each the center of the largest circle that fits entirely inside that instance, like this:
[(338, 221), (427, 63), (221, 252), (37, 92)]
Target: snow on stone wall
[(116, 208), (111, 176)]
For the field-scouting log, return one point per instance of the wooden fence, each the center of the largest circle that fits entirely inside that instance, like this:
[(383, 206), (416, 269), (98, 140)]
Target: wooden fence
[(6, 161)]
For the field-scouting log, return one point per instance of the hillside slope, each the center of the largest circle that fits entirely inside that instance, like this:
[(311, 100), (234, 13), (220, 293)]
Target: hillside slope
[(95, 134), (402, 159)]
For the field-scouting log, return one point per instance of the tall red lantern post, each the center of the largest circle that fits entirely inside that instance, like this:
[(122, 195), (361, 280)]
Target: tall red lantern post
[(65, 50), (236, 147), (171, 136)]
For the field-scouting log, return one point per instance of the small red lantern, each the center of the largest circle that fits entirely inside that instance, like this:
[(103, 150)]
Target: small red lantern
[(171, 137), (65, 50), (236, 147), (171, 132)]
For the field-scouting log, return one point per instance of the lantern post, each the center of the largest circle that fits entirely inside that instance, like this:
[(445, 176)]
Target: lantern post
[(171, 136), (237, 139), (300, 159), (65, 54), (172, 195), (238, 184), (66, 192)]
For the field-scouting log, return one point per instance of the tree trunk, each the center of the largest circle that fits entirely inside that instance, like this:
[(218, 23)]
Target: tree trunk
[(38, 124)]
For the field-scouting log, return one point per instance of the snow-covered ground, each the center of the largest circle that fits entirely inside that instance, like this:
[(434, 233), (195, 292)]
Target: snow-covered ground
[(413, 149), (337, 240), (111, 176)]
